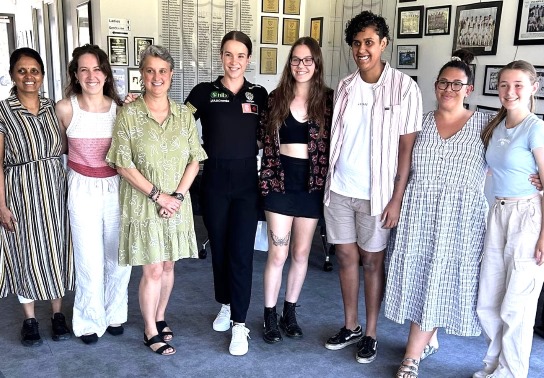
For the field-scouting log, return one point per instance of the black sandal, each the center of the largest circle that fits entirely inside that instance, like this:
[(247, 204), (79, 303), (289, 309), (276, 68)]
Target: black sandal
[(158, 340), (161, 325)]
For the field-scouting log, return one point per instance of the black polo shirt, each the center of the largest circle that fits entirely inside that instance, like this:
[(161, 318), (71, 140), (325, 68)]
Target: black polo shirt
[(229, 121)]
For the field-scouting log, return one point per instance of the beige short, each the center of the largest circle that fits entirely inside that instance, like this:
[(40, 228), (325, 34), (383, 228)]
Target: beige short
[(349, 221)]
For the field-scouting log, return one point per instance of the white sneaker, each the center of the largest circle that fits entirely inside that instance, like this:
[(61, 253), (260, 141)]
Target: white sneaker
[(222, 320), (238, 343), (487, 372)]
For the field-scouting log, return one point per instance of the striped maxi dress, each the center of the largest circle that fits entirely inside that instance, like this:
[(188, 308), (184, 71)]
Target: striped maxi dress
[(37, 257)]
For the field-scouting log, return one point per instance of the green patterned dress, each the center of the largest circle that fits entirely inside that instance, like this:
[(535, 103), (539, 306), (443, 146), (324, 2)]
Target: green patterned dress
[(160, 152)]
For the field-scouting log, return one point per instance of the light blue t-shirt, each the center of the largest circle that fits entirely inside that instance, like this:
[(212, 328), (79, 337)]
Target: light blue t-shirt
[(510, 156)]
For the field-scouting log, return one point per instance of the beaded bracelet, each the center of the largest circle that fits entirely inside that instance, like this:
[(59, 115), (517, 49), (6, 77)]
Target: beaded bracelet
[(157, 198), (152, 193)]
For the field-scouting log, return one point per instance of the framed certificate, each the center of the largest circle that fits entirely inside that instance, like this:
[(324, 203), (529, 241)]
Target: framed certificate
[(271, 6), (118, 50), (291, 7), (291, 28), (269, 61), (316, 29), (140, 44), (269, 30)]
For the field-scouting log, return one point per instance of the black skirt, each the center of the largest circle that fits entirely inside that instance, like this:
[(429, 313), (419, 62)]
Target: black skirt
[(296, 201)]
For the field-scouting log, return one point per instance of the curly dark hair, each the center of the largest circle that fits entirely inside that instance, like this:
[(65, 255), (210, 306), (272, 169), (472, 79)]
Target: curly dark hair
[(74, 87), (466, 58), (364, 20)]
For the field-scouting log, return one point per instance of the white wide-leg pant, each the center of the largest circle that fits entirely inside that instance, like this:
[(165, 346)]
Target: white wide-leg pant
[(510, 284), (101, 284)]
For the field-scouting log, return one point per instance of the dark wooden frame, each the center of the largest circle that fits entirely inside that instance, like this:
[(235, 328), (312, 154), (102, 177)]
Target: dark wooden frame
[(518, 40), (320, 21), (401, 11), (489, 70), (448, 28), (478, 50), (411, 66)]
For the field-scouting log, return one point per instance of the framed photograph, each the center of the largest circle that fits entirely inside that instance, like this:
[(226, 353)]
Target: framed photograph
[(291, 27), (269, 61), (437, 20), (271, 6), (316, 29), (291, 7), (269, 30), (134, 81), (529, 27), (140, 44), (407, 56), (477, 27), (118, 50), (410, 22), (486, 109), (491, 80), (84, 24), (473, 70), (540, 74)]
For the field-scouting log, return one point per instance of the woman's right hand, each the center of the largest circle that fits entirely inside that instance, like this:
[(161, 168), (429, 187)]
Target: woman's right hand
[(7, 220), (169, 204)]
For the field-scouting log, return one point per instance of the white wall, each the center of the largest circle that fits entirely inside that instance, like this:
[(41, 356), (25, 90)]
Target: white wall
[(434, 51)]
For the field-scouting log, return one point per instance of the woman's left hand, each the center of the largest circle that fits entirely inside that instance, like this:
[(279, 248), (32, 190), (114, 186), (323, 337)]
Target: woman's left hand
[(539, 251), (169, 204), (535, 181), (165, 213), (391, 214)]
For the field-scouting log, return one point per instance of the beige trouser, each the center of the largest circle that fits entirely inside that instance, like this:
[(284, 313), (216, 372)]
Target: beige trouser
[(510, 284)]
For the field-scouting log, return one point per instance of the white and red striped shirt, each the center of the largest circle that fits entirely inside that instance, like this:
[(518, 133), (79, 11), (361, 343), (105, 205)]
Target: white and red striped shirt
[(89, 139), (397, 110)]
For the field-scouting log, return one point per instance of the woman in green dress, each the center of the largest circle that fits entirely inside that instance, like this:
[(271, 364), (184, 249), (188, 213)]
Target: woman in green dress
[(156, 150)]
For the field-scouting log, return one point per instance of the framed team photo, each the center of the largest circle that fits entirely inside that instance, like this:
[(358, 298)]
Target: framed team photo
[(491, 80), (437, 20), (530, 23), (410, 22)]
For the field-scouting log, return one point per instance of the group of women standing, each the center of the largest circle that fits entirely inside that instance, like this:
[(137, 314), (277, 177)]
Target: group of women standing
[(127, 197)]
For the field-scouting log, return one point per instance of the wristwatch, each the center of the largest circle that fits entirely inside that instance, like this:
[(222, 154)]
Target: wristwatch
[(178, 196)]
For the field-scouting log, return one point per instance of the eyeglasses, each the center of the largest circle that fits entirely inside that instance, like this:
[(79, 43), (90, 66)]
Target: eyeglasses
[(456, 86), (308, 61)]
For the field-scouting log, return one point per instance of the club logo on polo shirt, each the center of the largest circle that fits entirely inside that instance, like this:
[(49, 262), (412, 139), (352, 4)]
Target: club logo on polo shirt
[(217, 96), (249, 96)]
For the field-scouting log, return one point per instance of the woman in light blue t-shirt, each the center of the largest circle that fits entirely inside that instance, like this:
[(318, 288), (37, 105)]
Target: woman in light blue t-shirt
[(512, 270)]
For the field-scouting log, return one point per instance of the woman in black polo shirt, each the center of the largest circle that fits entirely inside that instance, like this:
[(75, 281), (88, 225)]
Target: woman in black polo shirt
[(229, 110)]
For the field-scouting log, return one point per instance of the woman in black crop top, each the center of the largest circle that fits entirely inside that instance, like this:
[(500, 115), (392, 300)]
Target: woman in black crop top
[(295, 134)]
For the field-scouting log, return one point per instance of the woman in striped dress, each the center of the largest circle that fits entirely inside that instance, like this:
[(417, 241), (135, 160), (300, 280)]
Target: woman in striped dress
[(35, 236)]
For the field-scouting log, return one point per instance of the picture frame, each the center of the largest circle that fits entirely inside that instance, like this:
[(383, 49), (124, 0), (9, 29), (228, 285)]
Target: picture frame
[(540, 115), (140, 44), (407, 56), (291, 7), (316, 29), (477, 27), (134, 81), (491, 80), (406, 1), (84, 24), (118, 50), (268, 61), (271, 6), (438, 20), (291, 31), (269, 30), (410, 22), (414, 78), (526, 32), (473, 70), (540, 75), (486, 109)]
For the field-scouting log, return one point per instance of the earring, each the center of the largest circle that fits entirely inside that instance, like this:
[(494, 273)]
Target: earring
[(77, 81)]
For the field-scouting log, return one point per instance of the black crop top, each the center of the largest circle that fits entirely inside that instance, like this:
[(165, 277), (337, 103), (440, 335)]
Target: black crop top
[(293, 131)]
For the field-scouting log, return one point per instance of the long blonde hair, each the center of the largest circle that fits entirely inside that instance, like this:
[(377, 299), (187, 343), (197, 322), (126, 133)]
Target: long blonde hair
[(530, 71)]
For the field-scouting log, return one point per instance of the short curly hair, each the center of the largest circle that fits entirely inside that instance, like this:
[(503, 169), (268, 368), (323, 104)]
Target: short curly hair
[(364, 20)]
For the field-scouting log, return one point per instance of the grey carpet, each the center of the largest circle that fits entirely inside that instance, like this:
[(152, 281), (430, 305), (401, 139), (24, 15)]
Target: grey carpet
[(202, 352)]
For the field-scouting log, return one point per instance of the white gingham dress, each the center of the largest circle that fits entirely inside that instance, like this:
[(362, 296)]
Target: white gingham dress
[(434, 253)]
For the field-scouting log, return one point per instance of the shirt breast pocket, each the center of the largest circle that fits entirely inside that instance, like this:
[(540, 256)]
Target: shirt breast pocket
[(391, 117)]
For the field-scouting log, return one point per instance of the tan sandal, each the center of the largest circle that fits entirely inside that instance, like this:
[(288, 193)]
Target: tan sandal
[(408, 371)]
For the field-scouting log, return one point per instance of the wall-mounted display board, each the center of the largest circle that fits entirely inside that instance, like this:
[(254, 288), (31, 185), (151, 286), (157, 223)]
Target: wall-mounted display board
[(193, 29)]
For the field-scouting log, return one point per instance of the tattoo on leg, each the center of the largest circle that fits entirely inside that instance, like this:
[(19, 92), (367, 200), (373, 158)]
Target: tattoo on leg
[(279, 241)]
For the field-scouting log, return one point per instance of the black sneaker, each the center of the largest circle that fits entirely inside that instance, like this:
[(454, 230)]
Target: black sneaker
[(271, 332), (344, 338), (30, 334), (366, 350), (89, 339), (60, 328)]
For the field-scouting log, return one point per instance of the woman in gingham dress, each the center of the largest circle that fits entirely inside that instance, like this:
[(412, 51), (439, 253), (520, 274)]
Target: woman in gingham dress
[(435, 251)]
